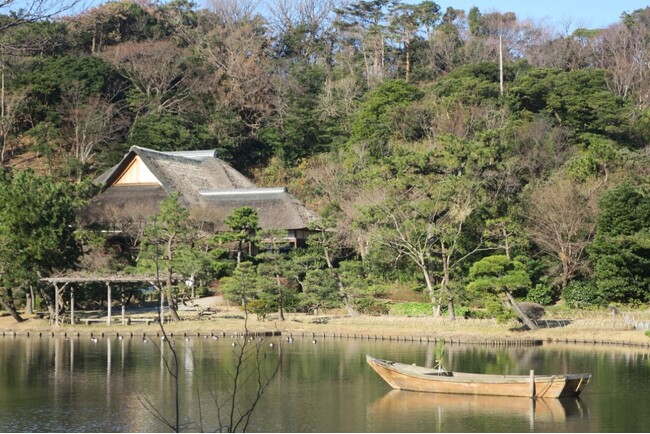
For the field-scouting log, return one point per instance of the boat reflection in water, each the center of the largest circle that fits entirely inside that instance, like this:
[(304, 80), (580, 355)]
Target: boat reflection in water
[(447, 406)]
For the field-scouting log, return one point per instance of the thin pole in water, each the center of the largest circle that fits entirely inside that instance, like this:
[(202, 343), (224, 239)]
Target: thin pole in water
[(532, 383)]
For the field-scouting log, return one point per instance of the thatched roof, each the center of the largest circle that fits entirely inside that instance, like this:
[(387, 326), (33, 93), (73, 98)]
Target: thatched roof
[(207, 185), (276, 208)]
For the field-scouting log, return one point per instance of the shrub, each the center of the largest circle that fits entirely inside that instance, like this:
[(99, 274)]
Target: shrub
[(361, 303), (581, 294), (411, 309), (542, 294), (498, 311), (203, 291), (262, 307), (533, 311)]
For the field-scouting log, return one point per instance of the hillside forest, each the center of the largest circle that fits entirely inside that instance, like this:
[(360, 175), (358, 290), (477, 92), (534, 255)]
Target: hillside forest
[(458, 159)]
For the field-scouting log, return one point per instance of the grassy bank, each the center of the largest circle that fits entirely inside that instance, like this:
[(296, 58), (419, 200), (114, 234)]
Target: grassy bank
[(594, 328)]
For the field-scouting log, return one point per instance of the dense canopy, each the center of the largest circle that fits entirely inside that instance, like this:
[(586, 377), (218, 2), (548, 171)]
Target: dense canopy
[(394, 121)]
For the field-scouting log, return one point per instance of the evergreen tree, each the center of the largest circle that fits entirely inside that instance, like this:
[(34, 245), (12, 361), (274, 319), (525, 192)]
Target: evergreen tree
[(621, 248)]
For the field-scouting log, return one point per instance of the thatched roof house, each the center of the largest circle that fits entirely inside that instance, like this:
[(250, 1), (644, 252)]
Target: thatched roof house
[(208, 186)]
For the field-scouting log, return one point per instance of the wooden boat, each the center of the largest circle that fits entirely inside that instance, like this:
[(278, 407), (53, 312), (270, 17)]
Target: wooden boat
[(417, 378)]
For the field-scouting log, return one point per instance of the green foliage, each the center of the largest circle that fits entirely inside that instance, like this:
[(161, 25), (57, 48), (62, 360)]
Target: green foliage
[(497, 273), (48, 77), (37, 224), (243, 219), (581, 294), (242, 285), (497, 310), (596, 159), (168, 247), (262, 306), (621, 248), (167, 132), (373, 121), (320, 290), (471, 84), (303, 131), (37, 221), (410, 309), (444, 155), (542, 294), (579, 99)]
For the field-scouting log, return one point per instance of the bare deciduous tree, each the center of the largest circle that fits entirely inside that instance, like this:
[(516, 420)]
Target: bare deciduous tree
[(159, 72), (91, 122), (250, 377), (623, 51), (561, 221), (23, 12), (546, 48), (233, 41), (309, 16)]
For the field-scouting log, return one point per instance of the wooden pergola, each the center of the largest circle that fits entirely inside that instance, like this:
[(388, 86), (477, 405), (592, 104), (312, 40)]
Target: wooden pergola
[(61, 282)]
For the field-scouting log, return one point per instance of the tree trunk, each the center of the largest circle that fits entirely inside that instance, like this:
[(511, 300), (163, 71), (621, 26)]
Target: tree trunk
[(172, 305), (346, 302), (49, 301), (407, 48), (435, 301), (7, 301), (280, 307), (28, 302), (171, 300), (348, 307), (450, 308), (504, 232), (444, 284), (520, 313), (240, 247)]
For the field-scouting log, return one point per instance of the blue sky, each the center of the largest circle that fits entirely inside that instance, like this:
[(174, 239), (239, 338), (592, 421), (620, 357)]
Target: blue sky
[(581, 13)]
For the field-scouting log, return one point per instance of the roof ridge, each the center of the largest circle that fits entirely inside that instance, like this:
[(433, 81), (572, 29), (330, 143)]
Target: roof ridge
[(242, 191), (198, 155)]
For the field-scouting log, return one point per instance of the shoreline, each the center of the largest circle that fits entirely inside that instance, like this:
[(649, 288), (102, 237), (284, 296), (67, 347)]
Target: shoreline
[(410, 329)]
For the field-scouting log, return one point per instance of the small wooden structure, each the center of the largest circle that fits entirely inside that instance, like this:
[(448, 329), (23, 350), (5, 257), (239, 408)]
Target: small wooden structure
[(60, 283), (420, 379)]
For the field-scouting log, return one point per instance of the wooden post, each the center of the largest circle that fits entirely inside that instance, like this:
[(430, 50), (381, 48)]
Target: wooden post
[(108, 291), (58, 291), (532, 383), (72, 305), (123, 305), (56, 305)]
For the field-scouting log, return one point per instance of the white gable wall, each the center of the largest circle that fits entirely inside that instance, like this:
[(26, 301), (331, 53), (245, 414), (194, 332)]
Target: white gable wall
[(137, 173)]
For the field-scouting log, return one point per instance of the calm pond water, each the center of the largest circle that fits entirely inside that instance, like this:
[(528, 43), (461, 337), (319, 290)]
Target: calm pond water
[(56, 385)]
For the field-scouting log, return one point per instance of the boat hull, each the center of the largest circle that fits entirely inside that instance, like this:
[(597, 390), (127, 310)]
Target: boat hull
[(409, 377)]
